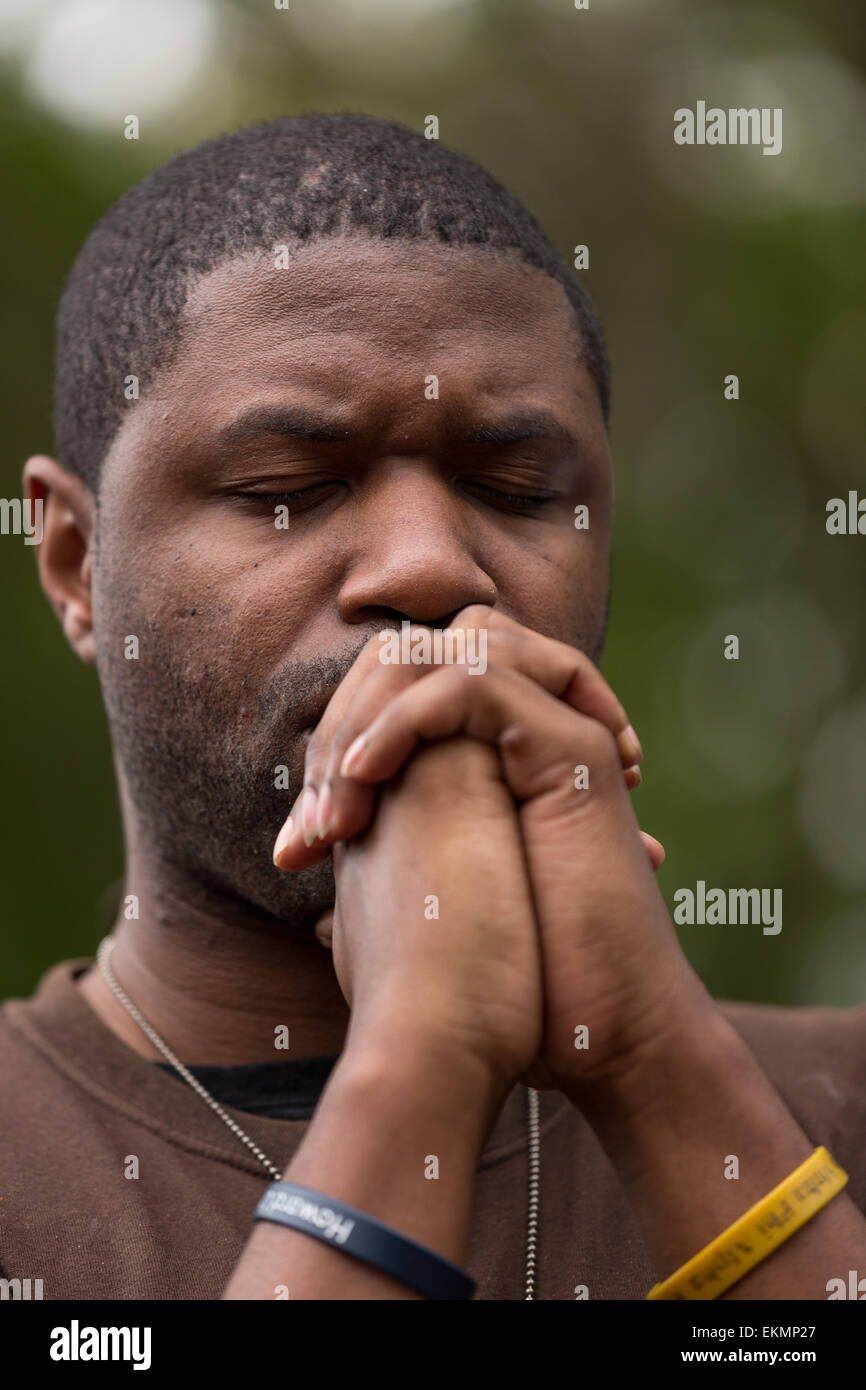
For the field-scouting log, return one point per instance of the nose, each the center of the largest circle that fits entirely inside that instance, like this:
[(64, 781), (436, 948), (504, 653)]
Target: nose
[(412, 555)]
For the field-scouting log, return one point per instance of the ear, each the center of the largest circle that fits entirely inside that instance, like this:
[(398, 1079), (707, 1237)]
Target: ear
[(64, 555)]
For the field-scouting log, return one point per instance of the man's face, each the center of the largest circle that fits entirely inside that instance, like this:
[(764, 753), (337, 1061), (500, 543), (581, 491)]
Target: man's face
[(316, 380)]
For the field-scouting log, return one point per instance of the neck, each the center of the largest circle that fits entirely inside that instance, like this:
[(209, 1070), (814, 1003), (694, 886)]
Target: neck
[(216, 980)]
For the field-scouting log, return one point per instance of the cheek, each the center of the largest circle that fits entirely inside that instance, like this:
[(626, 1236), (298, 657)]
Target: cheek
[(560, 588), (217, 592)]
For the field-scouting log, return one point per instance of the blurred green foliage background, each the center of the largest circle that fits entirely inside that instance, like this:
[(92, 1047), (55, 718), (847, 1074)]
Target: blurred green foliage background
[(703, 262)]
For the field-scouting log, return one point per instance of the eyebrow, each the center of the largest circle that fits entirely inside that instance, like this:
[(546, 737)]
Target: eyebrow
[(296, 422), (520, 426), (293, 422)]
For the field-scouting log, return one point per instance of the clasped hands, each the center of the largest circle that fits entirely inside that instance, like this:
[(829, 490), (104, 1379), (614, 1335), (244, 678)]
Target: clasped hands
[(548, 800)]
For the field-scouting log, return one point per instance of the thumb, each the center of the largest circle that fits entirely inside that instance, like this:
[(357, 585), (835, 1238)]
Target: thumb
[(655, 850)]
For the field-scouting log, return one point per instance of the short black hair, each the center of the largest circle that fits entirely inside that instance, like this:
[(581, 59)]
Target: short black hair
[(287, 181)]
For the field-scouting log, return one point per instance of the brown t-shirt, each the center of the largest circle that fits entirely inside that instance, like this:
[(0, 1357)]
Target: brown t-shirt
[(76, 1103)]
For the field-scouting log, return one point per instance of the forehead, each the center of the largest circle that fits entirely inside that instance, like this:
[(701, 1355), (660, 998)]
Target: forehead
[(357, 307)]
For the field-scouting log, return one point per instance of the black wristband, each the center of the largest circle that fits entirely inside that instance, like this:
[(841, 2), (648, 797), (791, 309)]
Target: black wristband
[(355, 1233)]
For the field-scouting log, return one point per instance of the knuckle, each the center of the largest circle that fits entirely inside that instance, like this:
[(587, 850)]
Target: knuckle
[(369, 658), (475, 615), (502, 645), (449, 682), (369, 653), (316, 755), (599, 748)]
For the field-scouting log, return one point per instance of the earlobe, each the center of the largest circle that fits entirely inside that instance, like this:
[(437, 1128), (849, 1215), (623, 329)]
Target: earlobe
[(64, 555), (79, 635)]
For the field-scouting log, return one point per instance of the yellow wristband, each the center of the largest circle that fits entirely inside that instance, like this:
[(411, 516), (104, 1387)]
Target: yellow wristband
[(758, 1232)]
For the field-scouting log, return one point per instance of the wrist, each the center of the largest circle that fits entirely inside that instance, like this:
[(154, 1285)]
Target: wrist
[(692, 1053), (398, 1066), (695, 1096), (644, 1036), (393, 1104), (696, 1133)]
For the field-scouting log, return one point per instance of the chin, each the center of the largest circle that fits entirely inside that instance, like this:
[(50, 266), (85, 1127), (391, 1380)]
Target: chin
[(298, 899)]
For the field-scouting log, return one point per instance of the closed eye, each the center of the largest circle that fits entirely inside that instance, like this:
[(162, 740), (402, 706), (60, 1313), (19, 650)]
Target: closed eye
[(513, 499), (277, 497), (493, 494)]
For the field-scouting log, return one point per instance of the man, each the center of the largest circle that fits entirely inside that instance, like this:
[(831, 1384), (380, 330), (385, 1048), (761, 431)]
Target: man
[(320, 385)]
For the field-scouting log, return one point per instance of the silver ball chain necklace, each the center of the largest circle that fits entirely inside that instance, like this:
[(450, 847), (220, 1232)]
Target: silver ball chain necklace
[(104, 950)]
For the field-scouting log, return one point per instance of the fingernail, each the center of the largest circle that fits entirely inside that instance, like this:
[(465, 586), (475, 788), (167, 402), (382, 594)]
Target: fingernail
[(628, 744), (352, 755), (325, 812), (633, 777), (309, 803), (284, 839)]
